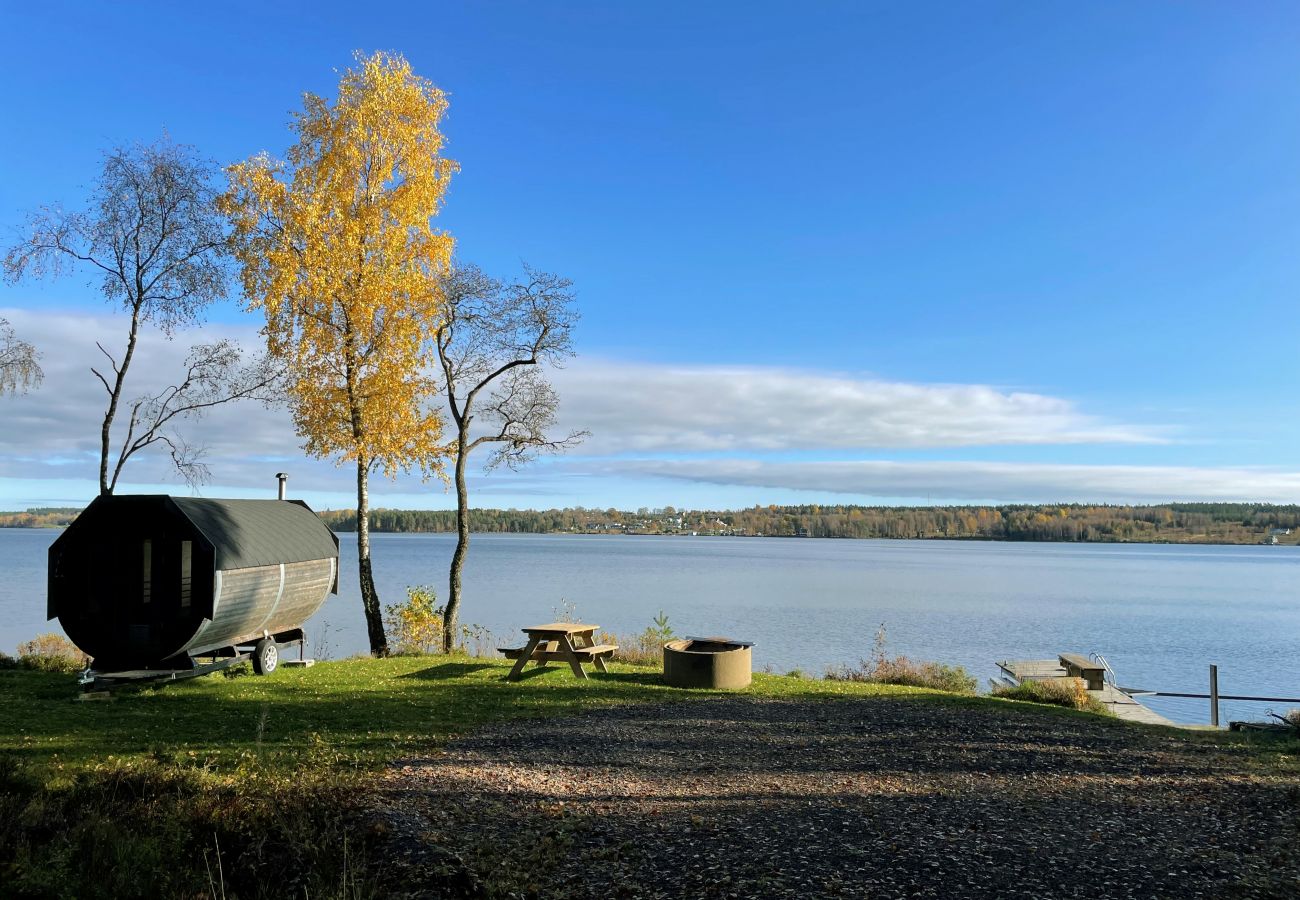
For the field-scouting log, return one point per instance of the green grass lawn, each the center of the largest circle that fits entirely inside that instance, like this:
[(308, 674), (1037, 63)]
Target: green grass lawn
[(262, 774), (143, 794), (334, 715)]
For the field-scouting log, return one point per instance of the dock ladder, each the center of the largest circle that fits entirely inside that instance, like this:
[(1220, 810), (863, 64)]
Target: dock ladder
[(1110, 676)]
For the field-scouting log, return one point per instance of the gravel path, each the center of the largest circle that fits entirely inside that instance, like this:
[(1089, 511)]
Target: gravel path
[(742, 797)]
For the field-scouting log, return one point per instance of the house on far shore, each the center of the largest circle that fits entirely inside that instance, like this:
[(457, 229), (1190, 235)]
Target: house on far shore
[(1273, 534)]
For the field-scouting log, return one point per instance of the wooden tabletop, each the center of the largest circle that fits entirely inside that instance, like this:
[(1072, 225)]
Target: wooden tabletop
[(561, 628)]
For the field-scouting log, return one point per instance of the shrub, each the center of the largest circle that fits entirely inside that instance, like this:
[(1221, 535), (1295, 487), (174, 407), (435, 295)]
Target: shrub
[(644, 649), (52, 653), (1071, 693), (416, 625), (885, 669)]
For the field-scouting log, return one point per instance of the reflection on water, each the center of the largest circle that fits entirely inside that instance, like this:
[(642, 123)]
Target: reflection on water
[(1161, 614)]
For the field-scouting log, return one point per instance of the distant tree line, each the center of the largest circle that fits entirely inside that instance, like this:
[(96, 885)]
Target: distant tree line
[(1186, 523), (46, 517), (1229, 523)]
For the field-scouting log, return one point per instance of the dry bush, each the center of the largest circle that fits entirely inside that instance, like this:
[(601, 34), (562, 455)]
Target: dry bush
[(885, 669), (903, 671), (1072, 693), (637, 650), (52, 653)]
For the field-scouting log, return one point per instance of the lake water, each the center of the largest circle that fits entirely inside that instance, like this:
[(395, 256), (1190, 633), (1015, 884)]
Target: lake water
[(1160, 613)]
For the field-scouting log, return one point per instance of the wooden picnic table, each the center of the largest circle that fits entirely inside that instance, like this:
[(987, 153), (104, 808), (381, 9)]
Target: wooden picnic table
[(571, 642)]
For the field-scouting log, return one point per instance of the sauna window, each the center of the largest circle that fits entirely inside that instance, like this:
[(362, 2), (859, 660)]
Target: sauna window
[(187, 567), (146, 580)]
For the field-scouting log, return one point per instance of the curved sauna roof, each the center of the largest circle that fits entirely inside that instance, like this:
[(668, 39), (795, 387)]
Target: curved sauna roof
[(242, 533), (248, 533)]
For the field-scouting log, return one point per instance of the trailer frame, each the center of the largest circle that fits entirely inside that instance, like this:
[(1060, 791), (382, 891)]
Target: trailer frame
[(218, 658)]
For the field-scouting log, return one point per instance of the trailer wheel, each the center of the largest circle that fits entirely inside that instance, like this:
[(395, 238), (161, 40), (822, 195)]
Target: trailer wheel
[(266, 657)]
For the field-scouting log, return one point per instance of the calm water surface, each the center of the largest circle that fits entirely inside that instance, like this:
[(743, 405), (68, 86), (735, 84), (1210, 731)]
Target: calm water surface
[(1160, 613)]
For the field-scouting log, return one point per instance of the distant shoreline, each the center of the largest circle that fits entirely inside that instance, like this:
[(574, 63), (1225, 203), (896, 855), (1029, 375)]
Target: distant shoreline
[(1174, 523), (973, 539), (1232, 524), (936, 538)]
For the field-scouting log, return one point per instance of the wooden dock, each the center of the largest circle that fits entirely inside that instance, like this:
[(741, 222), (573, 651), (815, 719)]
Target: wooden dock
[(1119, 703)]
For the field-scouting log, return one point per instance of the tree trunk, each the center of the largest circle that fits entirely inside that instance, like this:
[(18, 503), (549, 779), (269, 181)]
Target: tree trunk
[(462, 545), (106, 431), (369, 596)]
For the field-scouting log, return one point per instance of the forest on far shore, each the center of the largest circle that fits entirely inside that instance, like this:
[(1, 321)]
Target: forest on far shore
[(1183, 523), (1223, 523)]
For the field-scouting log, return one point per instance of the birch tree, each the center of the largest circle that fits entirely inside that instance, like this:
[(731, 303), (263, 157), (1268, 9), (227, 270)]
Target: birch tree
[(490, 346), (336, 248), (152, 237)]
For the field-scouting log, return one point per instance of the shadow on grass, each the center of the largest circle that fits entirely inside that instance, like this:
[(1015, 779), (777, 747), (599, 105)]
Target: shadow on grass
[(448, 670), (648, 678)]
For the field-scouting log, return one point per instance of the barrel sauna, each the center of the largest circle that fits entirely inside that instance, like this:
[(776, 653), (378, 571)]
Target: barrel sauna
[(151, 581)]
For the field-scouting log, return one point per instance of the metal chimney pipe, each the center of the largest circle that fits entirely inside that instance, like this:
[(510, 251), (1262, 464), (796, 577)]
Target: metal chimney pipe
[(282, 477)]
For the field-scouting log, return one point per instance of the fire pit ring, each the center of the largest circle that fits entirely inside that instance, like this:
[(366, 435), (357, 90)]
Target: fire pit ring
[(711, 662)]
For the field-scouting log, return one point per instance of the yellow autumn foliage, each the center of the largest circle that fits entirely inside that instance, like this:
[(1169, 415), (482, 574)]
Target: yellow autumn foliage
[(336, 247), (415, 626)]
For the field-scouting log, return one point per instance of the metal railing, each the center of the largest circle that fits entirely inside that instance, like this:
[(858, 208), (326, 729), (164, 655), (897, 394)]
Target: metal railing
[(1213, 696)]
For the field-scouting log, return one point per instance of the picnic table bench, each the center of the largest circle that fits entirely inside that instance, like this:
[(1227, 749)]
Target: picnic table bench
[(1079, 666), (571, 642)]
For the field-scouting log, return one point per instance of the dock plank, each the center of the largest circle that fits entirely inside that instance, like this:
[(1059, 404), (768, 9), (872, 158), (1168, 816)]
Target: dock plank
[(1125, 707), (1032, 668), (1118, 702)]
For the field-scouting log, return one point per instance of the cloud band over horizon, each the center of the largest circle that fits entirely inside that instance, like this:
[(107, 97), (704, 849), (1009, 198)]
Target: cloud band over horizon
[(658, 431)]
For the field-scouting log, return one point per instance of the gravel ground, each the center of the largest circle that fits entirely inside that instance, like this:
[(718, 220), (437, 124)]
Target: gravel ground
[(742, 797)]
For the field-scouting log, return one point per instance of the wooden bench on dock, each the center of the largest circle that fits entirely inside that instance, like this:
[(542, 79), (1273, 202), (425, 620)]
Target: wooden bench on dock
[(1079, 666)]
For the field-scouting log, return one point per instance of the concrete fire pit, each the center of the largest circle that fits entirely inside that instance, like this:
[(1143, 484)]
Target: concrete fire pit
[(713, 662)]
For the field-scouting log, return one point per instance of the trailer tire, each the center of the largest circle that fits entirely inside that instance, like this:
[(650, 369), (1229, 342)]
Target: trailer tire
[(266, 657)]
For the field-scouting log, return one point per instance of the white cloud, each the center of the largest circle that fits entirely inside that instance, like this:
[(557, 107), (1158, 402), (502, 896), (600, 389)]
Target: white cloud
[(634, 408), (634, 411), (984, 481), (677, 409), (54, 430)]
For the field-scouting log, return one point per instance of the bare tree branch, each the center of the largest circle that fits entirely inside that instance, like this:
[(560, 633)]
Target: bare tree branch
[(214, 374), (19, 369), (111, 362)]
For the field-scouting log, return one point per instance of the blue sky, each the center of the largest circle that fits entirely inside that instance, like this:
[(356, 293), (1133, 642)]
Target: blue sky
[(836, 244)]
